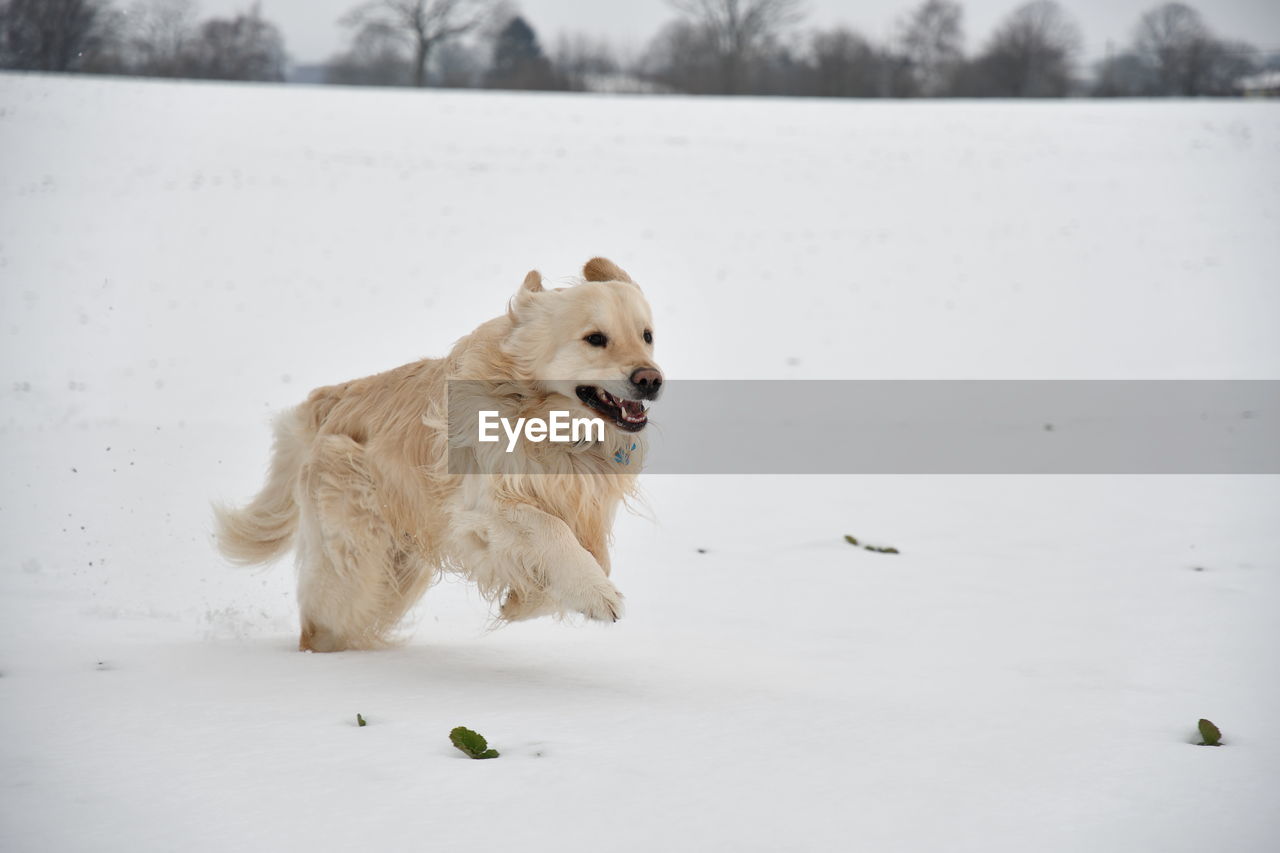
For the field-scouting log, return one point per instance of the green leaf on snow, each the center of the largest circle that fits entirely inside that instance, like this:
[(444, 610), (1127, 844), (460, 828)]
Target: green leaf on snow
[(1211, 734), (472, 743)]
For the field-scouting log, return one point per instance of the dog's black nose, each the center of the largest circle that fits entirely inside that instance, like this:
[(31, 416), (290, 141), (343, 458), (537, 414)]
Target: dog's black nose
[(647, 381)]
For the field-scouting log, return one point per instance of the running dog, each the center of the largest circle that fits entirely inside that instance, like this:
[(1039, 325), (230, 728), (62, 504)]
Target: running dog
[(380, 490)]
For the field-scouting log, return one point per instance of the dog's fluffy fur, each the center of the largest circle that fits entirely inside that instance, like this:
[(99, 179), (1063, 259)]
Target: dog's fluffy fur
[(361, 482)]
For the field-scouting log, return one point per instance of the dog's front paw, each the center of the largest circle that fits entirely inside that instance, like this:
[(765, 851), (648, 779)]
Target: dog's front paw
[(599, 602)]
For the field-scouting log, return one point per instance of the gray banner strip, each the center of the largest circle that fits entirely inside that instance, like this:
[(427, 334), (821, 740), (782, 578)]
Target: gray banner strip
[(962, 427)]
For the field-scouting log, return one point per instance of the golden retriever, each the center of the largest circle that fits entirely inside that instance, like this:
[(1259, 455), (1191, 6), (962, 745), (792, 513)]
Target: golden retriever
[(381, 490)]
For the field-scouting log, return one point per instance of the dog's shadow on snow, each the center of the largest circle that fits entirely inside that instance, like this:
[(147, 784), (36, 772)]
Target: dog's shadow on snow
[(506, 667), (473, 665)]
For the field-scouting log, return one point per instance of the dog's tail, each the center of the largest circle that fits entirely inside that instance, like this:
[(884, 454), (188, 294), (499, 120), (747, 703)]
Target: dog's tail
[(264, 529)]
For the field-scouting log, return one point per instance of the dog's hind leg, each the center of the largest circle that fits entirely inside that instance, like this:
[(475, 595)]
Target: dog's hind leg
[(518, 605), (352, 581)]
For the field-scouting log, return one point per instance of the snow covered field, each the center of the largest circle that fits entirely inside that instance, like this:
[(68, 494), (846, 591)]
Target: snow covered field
[(1025, 675)]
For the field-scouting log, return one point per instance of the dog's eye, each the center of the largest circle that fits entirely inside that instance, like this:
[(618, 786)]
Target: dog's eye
[(648, 336), (596, 339)]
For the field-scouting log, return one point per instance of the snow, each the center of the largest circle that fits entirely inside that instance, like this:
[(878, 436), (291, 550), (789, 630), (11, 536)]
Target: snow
[(177, 260)]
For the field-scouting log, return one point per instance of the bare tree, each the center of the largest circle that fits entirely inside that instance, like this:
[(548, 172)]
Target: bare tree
[(931, 40), (1032, 54), (737, 31), (422, 25), (845, 65), (1228, 63), (109, 51), (49, 35), (1176, 44), (376, 57), (682, 57), (160, 34), (246, 47)]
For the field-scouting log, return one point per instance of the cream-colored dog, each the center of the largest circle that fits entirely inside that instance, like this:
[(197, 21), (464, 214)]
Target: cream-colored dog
[(380, 489)]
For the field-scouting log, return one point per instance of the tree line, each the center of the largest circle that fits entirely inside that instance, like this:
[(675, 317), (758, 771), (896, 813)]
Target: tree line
[(726, 47), (162, 38)]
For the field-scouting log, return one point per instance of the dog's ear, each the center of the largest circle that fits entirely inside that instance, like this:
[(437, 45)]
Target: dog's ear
[(532, 283), (603, 269), (524, 294)]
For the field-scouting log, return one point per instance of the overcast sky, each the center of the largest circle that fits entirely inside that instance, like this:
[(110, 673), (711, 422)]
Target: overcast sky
[(312, 33)]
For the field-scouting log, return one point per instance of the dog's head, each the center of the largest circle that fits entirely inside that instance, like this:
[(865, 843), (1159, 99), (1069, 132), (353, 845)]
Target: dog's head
[(591, 343)]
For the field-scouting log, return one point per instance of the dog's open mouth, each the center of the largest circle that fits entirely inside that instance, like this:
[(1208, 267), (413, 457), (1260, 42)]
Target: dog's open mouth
[(629, 415)]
